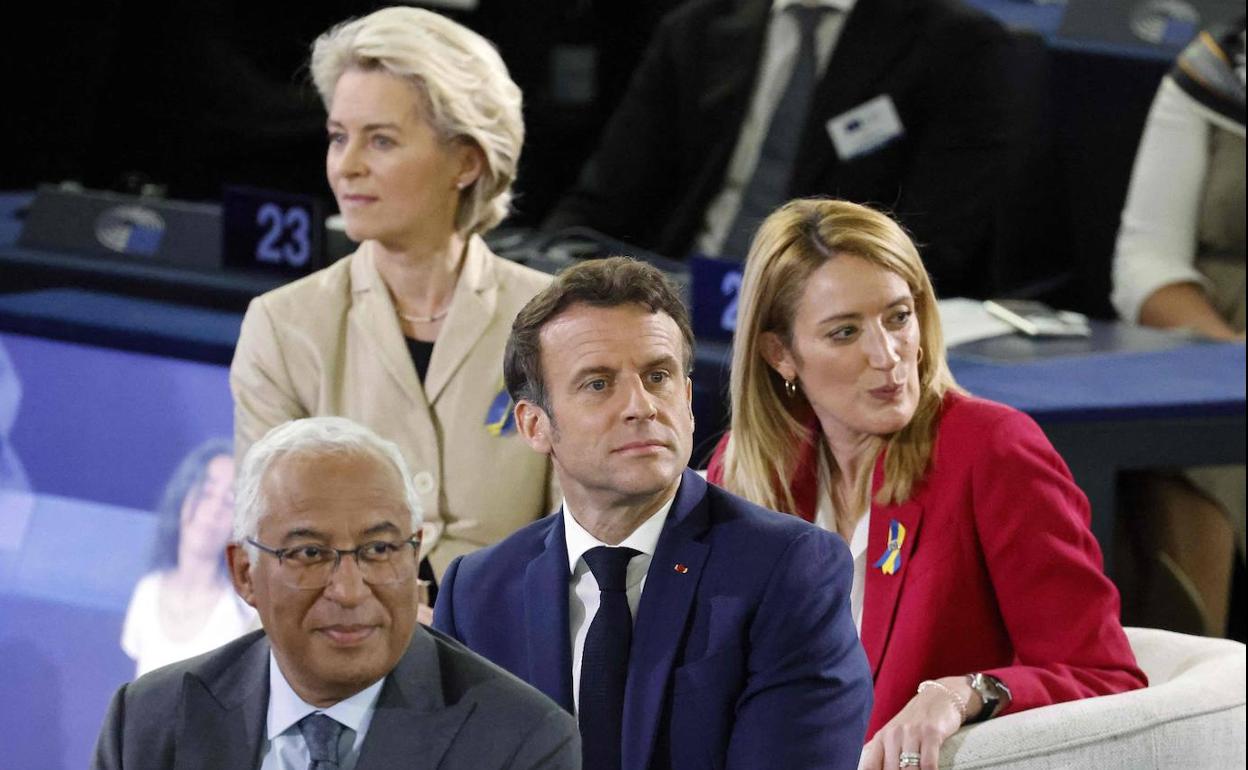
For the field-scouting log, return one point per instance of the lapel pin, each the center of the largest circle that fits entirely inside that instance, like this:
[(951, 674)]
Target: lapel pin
[(500, 419), (682, 569), (890, 562)]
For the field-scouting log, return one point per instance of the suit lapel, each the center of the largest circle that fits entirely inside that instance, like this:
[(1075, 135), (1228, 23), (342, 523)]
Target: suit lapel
[(222, 720), (413, 725), (882, 592), (661, 618), (876, 33), (373, 318), (546, 619), (472, 310), (734, 45)]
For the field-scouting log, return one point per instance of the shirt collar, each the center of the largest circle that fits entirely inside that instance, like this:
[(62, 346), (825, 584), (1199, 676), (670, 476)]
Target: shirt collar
[(844, 6), (286, 708), (645, 538)]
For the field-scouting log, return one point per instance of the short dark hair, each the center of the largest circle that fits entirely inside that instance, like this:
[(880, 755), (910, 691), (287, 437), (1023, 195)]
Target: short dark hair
[(605, 283)]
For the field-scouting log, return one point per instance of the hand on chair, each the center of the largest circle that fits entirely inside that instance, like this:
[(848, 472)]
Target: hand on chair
[(914, 736)]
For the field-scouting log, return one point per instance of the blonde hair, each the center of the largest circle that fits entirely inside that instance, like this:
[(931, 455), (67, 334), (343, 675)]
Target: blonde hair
[(768, 427), (461, 80)]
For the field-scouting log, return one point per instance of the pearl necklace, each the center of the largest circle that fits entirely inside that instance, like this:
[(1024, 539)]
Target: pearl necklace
[(424, 319)]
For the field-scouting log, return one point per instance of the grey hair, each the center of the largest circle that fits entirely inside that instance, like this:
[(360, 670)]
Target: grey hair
[(462, 81), (309, 436)]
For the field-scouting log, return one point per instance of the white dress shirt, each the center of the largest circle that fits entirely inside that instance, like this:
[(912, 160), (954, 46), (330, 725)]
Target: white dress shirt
[(1160, 233), (285, 748), (825, 518), (583, 588), (775, 68)]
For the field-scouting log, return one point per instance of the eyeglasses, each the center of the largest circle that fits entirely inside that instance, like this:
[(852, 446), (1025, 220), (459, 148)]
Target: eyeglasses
[(381, 562)]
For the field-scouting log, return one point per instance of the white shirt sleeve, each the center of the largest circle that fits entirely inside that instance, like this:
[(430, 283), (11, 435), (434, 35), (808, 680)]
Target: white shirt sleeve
[(1157, 238), (140, 615)]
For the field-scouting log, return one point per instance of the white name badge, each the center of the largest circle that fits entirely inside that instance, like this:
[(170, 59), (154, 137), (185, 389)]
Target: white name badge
[(865, 128)]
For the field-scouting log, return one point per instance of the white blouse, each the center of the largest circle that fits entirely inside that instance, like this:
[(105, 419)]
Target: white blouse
[(825, 518), (144, 639)]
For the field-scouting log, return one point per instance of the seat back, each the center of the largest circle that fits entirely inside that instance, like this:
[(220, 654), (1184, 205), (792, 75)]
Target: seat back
[(1191, 715)]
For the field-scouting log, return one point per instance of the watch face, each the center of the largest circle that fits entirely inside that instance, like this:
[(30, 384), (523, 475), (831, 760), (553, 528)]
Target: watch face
[(988, 693), (984, 685)]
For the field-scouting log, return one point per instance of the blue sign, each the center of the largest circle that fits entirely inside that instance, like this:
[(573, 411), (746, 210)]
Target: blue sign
[(713, 288), (272, 231)]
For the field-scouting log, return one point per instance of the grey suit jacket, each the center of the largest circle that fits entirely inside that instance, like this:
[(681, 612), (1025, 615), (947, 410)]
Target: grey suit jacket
[(442, 707)]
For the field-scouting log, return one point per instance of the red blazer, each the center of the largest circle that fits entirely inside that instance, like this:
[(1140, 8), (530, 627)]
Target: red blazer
[(999, 570)]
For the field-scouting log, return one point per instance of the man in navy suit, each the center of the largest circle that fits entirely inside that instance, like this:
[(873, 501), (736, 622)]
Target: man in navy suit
[(685, 627)]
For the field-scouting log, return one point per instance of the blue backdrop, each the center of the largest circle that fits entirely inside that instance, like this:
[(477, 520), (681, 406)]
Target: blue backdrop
[(88, 439)]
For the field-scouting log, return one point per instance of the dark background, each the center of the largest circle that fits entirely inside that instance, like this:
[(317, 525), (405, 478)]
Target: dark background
[(193, 95)]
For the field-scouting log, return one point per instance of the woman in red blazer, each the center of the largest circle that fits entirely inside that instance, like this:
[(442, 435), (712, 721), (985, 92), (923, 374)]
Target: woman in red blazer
[(978, 586)]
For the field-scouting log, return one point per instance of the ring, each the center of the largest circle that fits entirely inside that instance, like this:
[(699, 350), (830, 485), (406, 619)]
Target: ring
[(909, 759)]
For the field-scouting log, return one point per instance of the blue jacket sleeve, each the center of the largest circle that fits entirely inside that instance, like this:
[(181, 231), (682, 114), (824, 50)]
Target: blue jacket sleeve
[(443, 610), (808, 693)]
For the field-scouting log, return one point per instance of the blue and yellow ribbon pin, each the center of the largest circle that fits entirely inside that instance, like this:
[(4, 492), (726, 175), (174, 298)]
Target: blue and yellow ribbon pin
[(500, 417), (890, 562)]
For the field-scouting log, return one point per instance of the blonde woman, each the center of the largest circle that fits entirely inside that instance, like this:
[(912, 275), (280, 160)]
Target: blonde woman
[(977, 586), (406, 335)]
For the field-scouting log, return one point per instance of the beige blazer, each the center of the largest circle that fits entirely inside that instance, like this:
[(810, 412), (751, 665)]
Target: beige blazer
[(330, 344)]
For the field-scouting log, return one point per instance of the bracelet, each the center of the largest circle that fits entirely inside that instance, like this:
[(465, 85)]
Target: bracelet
[(958, 700)]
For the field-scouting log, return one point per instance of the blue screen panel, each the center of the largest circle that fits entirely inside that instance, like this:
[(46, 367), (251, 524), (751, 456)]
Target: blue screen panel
[(90, 440)]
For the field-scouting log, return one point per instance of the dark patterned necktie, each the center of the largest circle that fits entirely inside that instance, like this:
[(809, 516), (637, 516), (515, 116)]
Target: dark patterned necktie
[(773, 173), (604, 660), (321, 733)]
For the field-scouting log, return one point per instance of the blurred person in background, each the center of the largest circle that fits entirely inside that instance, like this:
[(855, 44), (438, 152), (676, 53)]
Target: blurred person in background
[(1179, 263), (739, 105), (186, 605)]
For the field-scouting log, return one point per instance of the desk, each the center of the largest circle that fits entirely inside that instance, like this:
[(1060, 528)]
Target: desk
[(26, 269), (123, 323), (1138, 399), (1115, 411)]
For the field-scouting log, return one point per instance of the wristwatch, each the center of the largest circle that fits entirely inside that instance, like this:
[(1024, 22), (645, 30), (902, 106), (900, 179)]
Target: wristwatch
[(992, 692)]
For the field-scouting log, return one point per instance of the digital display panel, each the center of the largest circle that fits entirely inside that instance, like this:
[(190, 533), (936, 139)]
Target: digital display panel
[(114, 473)]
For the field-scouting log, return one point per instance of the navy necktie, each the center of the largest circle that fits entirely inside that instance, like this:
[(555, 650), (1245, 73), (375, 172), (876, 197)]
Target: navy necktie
[(604, 660), (320, 733), (773, 173)]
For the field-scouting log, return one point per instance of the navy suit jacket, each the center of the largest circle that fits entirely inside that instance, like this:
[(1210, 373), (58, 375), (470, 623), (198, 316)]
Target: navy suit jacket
[(744, 652)]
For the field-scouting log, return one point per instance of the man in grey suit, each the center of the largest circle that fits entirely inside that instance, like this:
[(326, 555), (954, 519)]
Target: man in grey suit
[(342, 677)]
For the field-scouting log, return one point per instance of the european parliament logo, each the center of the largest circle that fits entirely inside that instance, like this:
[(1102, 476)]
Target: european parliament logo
[(130, 230)]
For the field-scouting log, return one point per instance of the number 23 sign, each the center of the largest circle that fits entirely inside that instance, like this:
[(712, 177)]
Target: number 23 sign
[(272, 230)]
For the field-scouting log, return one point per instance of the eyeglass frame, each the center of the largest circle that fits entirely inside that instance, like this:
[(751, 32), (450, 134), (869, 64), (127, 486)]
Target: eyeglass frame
[(281, 554)]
